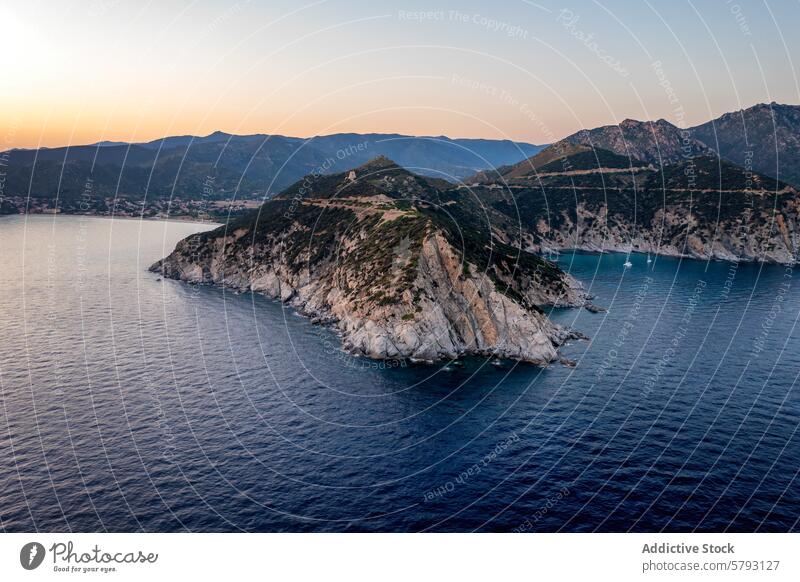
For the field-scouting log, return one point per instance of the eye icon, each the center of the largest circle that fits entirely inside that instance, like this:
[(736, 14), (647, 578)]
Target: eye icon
[(31, 555)]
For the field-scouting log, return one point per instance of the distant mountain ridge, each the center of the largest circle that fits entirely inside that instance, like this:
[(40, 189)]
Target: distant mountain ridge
[(222, 165), (656, 142), (764, 138)]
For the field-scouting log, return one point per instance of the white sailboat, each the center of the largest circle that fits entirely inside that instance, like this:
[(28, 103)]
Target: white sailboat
[(627, 264)]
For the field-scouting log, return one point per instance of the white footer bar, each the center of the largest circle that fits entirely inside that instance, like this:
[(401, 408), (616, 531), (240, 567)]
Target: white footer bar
[(400, 557)]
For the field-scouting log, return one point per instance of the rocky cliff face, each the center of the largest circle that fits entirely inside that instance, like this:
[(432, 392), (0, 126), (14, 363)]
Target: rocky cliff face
[(702, 208), (376, 253), (747, 234)]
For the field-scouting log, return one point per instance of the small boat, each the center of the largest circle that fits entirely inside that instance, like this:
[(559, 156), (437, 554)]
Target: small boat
[(627, 264)]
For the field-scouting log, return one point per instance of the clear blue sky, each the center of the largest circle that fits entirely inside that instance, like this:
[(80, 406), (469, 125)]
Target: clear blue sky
[(78, 72)]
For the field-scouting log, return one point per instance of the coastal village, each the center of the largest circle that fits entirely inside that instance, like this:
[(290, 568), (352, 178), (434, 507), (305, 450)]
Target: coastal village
[(175, 209)]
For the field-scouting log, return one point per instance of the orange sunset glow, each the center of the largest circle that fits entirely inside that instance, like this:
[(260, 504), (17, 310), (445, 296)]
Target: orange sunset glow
[(77, 73)]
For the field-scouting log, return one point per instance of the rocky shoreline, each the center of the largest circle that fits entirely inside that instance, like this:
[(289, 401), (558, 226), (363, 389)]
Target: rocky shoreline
[(392, 276), (471, 318)]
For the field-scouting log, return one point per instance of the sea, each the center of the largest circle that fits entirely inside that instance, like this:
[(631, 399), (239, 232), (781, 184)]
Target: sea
[(129, 402)]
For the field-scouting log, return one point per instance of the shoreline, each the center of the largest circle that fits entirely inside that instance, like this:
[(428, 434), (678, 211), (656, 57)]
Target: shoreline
[(182, 219), (561, 252), (661, 255)]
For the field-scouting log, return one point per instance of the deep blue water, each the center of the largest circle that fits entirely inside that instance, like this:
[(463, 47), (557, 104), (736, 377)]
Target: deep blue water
[(130, 403)]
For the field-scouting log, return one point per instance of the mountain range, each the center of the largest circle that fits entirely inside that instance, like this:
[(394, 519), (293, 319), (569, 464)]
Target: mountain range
[(224, 166), (764, 138)]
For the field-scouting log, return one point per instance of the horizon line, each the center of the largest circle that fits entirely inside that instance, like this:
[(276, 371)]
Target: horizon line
[(115, 143)]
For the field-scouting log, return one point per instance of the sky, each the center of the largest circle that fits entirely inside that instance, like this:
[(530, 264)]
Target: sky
[(84, 71)]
